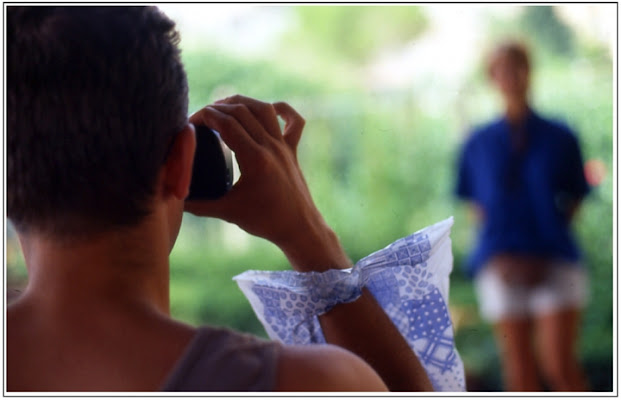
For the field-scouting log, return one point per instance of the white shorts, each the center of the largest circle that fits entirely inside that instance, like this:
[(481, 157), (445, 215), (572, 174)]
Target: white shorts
[(565, 285)]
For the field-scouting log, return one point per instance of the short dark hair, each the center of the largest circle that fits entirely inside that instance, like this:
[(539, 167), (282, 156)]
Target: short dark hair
[(95, 97)]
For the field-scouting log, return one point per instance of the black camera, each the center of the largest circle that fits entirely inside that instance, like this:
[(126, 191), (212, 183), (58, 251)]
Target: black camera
[(212, 172)]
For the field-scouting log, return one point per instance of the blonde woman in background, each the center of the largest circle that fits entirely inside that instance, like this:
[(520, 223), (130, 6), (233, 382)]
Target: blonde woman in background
[(523, 175)]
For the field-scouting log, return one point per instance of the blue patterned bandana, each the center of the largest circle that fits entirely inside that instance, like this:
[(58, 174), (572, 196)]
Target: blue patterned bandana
[(409, 279)]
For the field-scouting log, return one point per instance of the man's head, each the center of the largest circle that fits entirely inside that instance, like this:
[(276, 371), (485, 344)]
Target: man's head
[(508, 67), (96, 97)]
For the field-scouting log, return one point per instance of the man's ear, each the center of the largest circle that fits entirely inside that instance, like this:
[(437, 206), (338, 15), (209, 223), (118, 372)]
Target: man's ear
[(177, 171)]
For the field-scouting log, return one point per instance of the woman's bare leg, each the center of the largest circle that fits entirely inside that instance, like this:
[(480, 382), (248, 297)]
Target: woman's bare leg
[(557, 336), (514, 341)]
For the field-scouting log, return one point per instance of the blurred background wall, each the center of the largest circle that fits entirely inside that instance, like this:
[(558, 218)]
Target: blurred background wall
[(389, 93)]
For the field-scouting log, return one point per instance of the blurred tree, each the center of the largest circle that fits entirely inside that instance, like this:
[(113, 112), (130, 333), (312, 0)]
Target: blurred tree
[(213, 74), (356, 33), (542, 23)]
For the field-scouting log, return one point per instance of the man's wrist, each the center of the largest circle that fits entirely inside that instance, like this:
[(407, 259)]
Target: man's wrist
[(315, 247)]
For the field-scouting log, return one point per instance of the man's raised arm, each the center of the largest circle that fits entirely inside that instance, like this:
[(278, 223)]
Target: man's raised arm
[(271, 200)]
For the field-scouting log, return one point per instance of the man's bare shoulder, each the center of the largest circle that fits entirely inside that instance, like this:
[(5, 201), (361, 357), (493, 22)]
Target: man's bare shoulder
[(325, 368)]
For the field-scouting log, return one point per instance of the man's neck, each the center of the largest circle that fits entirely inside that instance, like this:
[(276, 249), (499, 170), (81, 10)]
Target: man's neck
[(125, 268)]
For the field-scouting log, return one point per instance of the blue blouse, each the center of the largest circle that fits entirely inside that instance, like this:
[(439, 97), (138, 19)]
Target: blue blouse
[(524, 195)]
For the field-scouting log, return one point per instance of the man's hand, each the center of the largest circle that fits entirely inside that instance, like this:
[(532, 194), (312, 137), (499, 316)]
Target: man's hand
[(271, 198)]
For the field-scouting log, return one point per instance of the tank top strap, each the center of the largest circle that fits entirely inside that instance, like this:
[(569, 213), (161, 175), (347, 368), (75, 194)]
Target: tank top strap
[(219, 359)]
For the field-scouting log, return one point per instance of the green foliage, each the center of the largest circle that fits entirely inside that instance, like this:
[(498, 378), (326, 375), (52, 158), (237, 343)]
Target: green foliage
[(542, 23), (356, 33), (213, 74)]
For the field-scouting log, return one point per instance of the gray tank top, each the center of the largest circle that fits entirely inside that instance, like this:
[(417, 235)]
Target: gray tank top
[(219, 359)]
